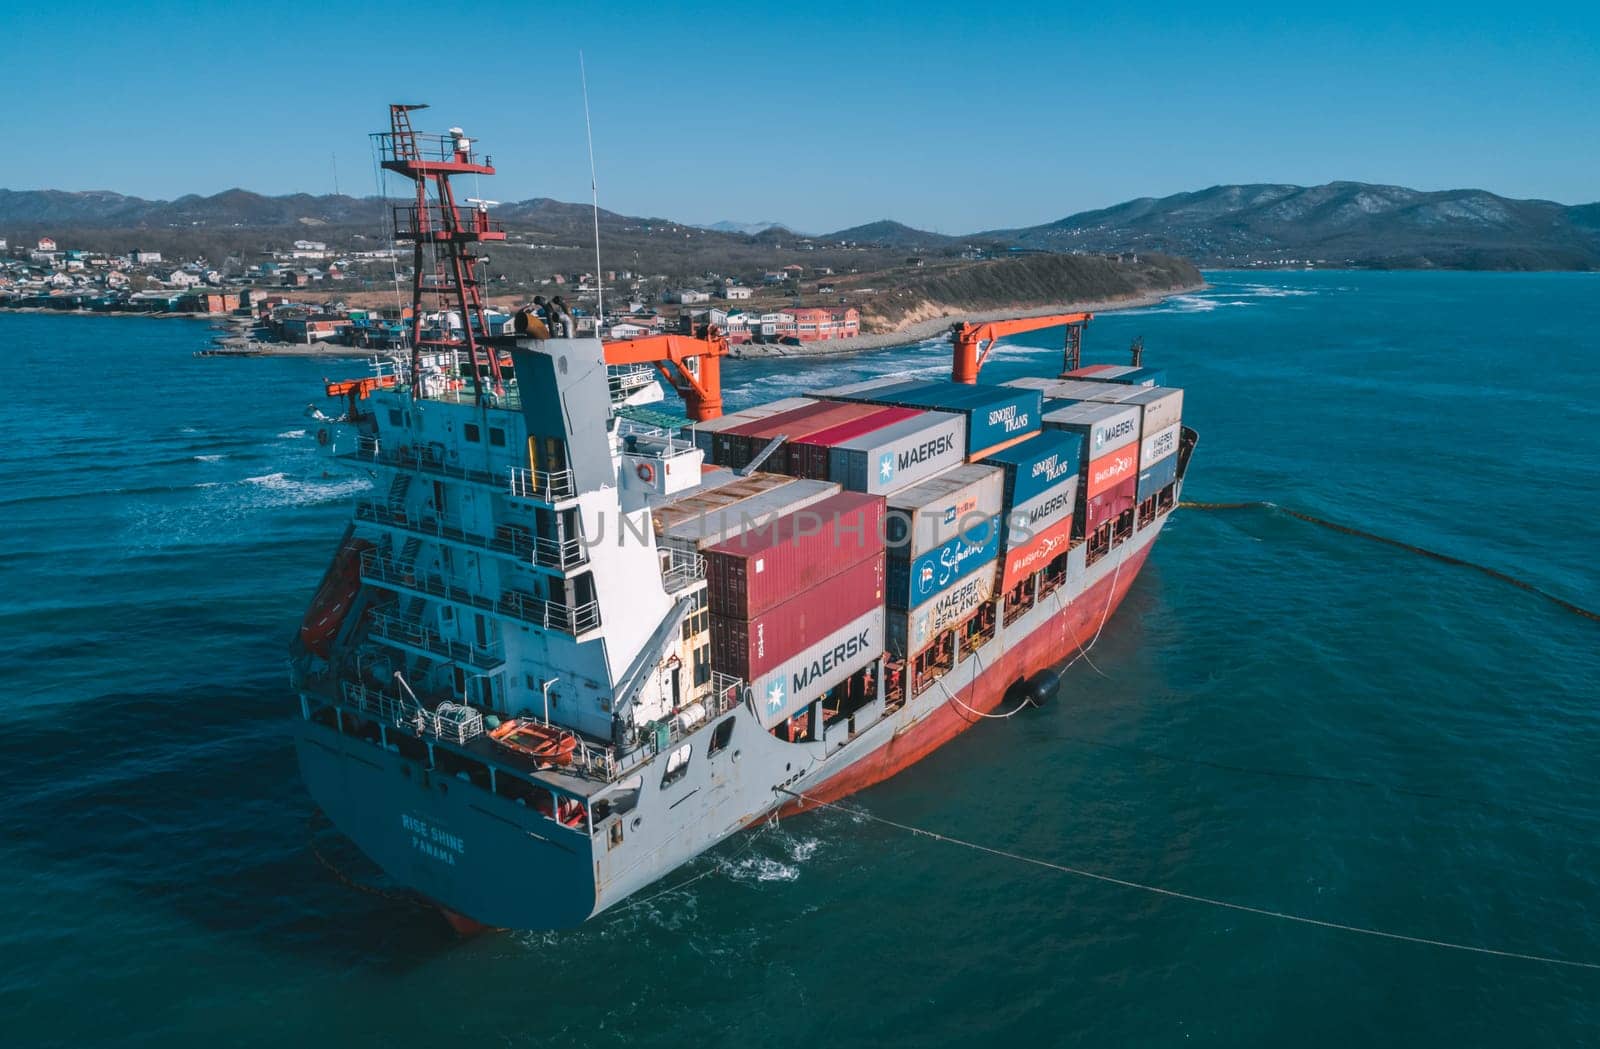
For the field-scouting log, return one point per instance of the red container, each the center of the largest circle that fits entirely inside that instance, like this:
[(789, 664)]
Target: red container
[(1108, 505), (1031, 556), (745, 442), (809, 458), (1111, 470), (763, 567), (1092, 369), (749, 648)]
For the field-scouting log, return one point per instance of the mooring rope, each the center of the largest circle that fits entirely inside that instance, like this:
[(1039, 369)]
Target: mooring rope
[(1192, 897), (1322, 522), (349, 882)]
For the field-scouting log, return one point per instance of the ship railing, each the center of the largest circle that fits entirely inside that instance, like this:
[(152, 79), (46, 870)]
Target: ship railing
[(727, 693), (670, 442), (410, 222), (406, 630), (542, 485), (419, 457), (451, 722), (625, 379), (681, 569), (424, 146), (546, 553), (515, 604)]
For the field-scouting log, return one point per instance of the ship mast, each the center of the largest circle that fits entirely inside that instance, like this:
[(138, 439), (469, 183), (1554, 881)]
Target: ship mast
[(434, 220)]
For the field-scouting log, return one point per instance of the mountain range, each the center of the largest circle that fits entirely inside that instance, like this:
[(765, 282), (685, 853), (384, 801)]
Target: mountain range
[(1340, 223)]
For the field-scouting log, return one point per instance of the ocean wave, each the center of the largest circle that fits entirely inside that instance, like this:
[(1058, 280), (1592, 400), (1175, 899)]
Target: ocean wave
[(760, 869), (291, 434), (284, 490), (215, 457)]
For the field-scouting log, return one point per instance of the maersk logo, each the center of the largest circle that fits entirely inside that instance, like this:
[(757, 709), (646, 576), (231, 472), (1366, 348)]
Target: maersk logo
[(886, 467), (826, 663), (775, 696), (1050, 509), (1105, 436), (937, 446)]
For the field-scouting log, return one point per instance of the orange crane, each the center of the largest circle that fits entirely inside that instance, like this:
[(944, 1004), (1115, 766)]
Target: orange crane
[(699, 386), (974, 341)]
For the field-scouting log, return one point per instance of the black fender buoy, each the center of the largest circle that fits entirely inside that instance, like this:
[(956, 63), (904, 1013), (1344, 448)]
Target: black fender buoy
[(1042, 687)]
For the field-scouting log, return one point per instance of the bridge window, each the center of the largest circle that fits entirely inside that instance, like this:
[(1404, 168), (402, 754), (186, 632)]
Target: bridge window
[(470, 432), (497, 437), (677, 765), (720, 736)]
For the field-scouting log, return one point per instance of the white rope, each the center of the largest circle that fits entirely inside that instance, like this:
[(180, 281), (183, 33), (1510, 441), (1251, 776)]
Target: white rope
[(1193, 898)]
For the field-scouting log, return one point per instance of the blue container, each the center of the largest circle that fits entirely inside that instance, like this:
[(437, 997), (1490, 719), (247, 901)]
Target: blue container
[(995, 414), (1038, 464), (926, 576), (1143, 377), (1157, 476), (876, 395)]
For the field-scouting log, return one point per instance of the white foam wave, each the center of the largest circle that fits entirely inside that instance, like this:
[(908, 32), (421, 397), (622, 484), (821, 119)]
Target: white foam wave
[(761, 869), (282, 490), (291, 434), (209, 458)]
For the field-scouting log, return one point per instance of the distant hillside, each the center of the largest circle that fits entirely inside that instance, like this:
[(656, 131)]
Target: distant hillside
[(892, 234), (1341, 223)]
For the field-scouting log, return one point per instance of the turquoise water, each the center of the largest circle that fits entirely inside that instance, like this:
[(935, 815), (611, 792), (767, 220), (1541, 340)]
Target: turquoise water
[(166, 518)]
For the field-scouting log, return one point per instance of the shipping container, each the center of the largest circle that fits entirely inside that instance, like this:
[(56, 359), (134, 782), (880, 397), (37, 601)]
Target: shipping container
[(1104, 427), (1109, 504), (1125, 376), (1157, 476), (1106, 392), (1038, 464), (932, 513), (704, 432), (900, 454), (1162, 406), (1069, 389), (706, 522), (910, 632), (996, 415), (1032, 382), (757, 569), (788, 688), (1091, 369), (1029, 518), (1158, 446), (809, 458), (736, 447), (1110, 470), (929, 574), (1021, 561), (750, 648)]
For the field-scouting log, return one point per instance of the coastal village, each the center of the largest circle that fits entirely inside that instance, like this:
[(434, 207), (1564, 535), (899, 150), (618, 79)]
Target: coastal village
[(309, 294)]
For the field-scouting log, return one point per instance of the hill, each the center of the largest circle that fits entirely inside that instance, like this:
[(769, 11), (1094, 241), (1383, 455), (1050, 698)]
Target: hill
[(889, 233), (1341, 223)]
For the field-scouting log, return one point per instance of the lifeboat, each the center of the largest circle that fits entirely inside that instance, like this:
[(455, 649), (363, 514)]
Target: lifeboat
[(546, 744), (335, 596)]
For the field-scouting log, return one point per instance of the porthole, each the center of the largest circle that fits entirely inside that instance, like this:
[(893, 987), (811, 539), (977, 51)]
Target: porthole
[(638, 821)]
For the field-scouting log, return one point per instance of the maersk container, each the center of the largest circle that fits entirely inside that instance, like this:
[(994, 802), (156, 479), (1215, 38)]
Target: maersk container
[(704, 432), (1043, 510), (1157, 476), (932, 513), (924, 577), (809, 458), (911, 632), (996, 415), (1024, 558), (900, 454), (1162, 406), (1037, 464), (707, 523), (1104, 427), (1158, 446), (786, 689), (758, 569), (1108, 505), (751, 648), (1110, 470)]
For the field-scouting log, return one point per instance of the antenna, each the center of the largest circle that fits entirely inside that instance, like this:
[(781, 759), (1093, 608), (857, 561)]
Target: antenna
[(336, 174), (594, 195)]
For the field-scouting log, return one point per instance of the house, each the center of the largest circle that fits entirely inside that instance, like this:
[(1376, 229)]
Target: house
[(915, 260), (774, 277), (777, 325), (824, 289), (626, 330), (46, 244), (145, 258), (823, 323), (735, 292), (737, 327), (310, 245), (688, 296), (182, 279)]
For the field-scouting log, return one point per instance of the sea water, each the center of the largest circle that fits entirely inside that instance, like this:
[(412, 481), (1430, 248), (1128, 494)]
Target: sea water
[(1279, 716)]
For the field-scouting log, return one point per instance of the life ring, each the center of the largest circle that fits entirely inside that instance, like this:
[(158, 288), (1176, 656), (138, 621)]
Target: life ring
[(322, 435), (646, 472)]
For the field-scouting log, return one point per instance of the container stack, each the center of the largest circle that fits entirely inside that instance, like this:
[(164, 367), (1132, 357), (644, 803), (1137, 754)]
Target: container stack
[(797, 606), (809, 457), (1041, 495), (943, 540), (736, 446), (1158, 446), (900, 454), (1108, 436), (1124, 374), (996, 415), (705, 433)]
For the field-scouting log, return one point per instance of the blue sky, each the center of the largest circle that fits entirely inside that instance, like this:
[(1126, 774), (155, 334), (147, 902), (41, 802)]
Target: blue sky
[(954, 117)]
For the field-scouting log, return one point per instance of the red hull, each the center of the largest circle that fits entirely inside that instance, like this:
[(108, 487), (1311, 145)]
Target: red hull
[(1072, 628)]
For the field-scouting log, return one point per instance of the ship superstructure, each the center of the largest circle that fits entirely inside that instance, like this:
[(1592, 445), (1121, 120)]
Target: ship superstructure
[(561, 651)]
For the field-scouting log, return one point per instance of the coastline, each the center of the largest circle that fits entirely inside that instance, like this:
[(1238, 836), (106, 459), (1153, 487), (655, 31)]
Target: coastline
[(906, 335), (922, 330)]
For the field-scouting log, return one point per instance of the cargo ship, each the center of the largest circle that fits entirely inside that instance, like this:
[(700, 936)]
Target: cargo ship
[(567, 643)]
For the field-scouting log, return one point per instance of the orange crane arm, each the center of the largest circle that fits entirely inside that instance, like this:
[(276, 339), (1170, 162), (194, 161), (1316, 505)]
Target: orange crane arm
[(974, 341), (702, 391)]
